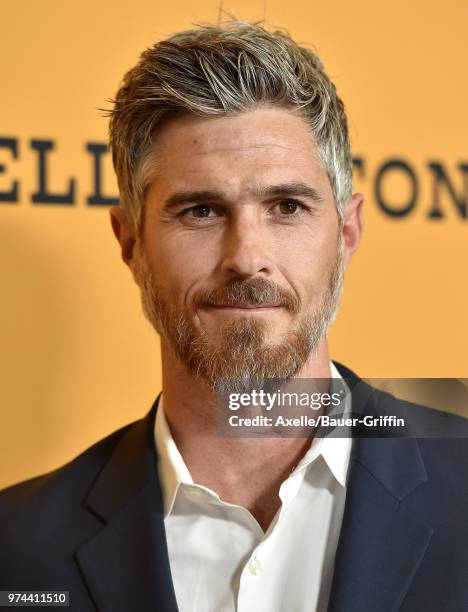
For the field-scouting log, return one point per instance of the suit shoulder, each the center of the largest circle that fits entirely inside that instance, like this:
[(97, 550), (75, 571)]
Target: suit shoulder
[(45, 519), (70, 480), (442, 436)]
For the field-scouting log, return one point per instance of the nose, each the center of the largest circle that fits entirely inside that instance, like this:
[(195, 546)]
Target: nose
[(245, 248)]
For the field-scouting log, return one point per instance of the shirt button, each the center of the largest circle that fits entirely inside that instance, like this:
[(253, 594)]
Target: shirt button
[(255, 566)]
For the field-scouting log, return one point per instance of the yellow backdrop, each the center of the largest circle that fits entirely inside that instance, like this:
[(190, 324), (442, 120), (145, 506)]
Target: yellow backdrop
[(78, 359)]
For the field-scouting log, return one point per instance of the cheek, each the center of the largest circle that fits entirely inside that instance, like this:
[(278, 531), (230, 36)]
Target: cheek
[(313, 270), (178, 270)]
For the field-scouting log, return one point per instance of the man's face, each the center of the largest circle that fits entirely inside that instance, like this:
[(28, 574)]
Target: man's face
[(241, 258)]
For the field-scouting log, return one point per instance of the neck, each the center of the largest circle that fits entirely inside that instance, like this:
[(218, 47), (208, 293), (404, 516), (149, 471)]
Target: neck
[(229, 464)]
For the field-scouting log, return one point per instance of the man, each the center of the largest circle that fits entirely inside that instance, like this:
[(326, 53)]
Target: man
[(237, 221)]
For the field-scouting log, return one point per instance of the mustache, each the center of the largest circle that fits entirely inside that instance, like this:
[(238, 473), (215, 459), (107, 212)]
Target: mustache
[(248, 292)]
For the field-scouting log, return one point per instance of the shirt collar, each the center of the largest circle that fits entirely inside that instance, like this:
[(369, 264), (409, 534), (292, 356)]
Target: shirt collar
[(336, 451), (173, 472), (171, 467)]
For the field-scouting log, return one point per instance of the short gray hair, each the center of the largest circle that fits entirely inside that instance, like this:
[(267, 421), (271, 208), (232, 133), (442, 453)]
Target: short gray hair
[(223, 70)]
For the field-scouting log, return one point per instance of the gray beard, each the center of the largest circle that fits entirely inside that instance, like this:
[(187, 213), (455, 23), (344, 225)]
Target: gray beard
[(238, 359)]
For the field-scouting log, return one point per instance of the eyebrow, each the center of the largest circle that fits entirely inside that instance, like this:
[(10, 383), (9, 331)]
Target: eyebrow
[(205, 196)]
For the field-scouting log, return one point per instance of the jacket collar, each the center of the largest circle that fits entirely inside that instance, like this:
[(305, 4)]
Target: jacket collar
[(381, 545), (126, 565)]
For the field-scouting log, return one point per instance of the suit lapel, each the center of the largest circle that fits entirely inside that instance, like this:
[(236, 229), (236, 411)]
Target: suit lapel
[(381, 545), (126, 565)]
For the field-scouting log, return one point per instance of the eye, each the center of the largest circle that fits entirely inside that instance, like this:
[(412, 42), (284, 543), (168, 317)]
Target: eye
[(201, 215), (199, 212), (290, 208)]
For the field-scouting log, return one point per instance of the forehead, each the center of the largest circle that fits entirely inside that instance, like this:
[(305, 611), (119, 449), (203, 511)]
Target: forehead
[(236, 153)]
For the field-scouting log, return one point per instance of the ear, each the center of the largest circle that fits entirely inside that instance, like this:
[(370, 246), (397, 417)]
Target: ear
[(352, 226), (123, 231)]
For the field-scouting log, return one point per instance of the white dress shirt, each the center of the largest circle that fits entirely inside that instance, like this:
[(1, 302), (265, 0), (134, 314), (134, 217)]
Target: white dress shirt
[(220, 558)]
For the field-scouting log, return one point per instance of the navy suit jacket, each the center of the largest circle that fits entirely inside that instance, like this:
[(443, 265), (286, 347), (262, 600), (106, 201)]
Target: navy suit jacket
[(95, 526)]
